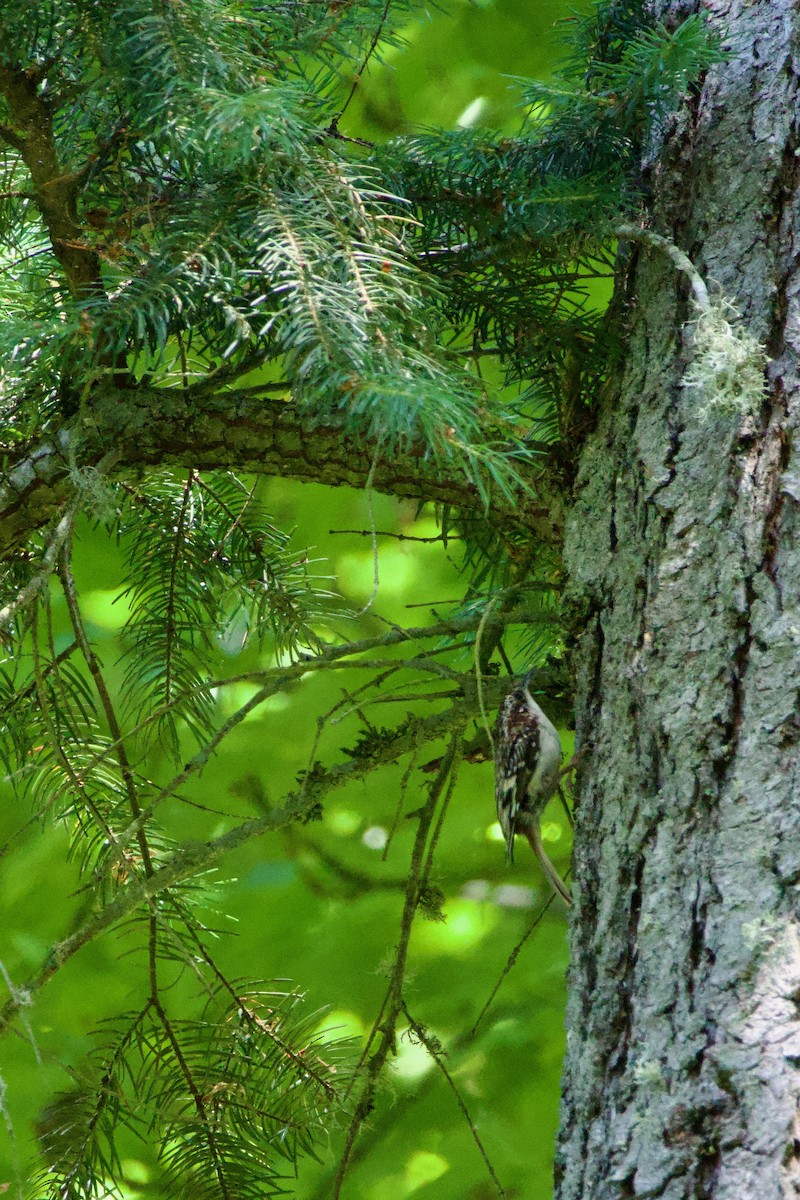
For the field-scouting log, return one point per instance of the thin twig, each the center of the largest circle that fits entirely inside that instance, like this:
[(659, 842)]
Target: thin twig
[(390, 1118), (434, 1049), (434, 840), (479, 668), (512, 958), (170, 623), (400, 537), (371, 511), (333, 129), (390, 1010), (398, 812)]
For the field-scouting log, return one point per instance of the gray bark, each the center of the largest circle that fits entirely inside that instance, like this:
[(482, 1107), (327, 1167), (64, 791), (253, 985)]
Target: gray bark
[(682, 1073)]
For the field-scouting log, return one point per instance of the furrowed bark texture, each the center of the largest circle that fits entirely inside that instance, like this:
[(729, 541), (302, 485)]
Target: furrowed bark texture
[(682, 1073)]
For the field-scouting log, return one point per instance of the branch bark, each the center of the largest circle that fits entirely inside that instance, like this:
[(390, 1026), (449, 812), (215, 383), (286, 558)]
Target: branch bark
[(55, 189), (144, 427)]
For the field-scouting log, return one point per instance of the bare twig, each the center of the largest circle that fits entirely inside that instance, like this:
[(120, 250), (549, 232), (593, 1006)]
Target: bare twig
[(333, 129), (512, 958), (636, 233), (399, 537), (386, 1024), (373, 536), (434, 1048)]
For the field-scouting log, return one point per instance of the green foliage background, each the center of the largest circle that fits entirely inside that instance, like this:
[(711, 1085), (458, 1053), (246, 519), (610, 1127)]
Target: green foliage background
[(294, 913)]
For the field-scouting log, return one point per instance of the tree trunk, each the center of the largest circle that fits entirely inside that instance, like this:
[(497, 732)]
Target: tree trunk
[(682, 1073)]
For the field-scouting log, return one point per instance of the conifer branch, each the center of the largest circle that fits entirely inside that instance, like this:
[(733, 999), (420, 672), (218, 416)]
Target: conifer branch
[(239, 431), (188, 862), (55, 190)]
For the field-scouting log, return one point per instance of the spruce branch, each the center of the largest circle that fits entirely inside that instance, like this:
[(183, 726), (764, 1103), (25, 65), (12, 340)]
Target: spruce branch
[(192, 861), (242, 432), (55, 189)]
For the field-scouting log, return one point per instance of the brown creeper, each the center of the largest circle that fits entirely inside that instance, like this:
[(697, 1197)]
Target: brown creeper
[(526, 764)]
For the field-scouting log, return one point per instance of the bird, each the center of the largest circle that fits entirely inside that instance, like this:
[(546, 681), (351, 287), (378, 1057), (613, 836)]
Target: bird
[(527, 764)]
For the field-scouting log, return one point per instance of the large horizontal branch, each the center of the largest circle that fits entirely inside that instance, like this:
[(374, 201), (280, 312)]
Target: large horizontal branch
[(144, 426)]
